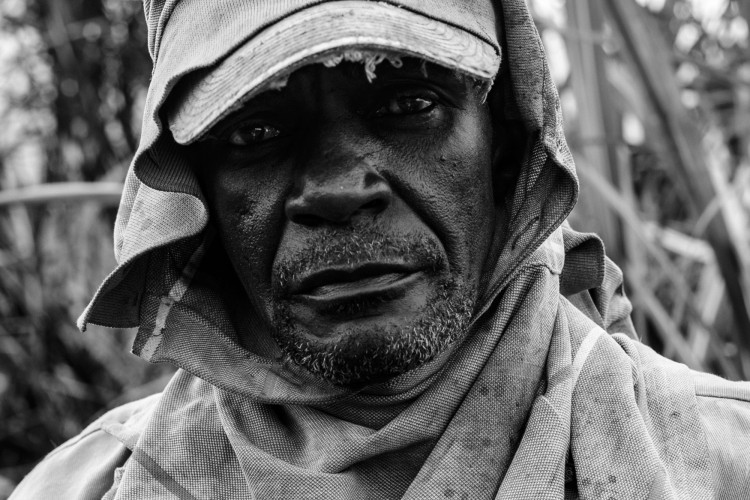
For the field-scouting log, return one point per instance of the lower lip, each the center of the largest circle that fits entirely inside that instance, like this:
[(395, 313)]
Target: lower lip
[(391, 285)]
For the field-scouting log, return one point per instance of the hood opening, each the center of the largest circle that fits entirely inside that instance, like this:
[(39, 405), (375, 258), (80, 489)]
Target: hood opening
[(161, 236)]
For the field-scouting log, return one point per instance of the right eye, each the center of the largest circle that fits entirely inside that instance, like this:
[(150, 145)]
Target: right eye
[(406, 105), (252, 134)]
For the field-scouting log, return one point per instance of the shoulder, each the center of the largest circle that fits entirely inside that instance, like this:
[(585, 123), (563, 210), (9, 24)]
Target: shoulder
[(720, 409), (724, 409), (84, 466)]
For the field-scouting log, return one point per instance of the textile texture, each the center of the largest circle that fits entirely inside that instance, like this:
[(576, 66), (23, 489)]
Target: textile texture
[(540, 401), (321, 31)]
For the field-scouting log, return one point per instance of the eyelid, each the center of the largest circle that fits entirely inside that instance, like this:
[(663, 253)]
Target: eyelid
[(224, 131), (390, 93), (446, 95)]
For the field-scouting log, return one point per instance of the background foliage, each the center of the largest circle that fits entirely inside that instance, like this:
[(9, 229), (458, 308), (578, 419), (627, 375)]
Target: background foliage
[(657, 98), (73, 77), (656, 94)]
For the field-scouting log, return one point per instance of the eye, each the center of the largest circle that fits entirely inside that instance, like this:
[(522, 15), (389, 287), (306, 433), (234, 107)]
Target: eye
[(252, 134), (406, 105)]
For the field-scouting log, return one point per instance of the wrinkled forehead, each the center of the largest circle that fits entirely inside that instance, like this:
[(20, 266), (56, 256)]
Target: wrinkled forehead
[(458, 35)]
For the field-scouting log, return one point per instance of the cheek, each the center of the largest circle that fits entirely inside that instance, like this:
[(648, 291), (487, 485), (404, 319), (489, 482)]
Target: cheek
[(448, 182), (247, 211), (471, 202)]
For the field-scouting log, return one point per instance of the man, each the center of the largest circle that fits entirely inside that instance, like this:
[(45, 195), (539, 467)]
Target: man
[(345, 224)]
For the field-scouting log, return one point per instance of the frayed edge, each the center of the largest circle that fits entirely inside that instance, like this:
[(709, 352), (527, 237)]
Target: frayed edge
[(370, 59), (423, 68), (280, 82), (483, 88)]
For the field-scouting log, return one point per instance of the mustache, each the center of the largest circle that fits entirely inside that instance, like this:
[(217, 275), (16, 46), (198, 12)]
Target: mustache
[(347, 247)]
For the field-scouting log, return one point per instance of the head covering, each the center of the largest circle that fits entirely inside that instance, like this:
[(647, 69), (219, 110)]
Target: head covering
[(161, 234), (298, 33), (197, 49), (509, 413)]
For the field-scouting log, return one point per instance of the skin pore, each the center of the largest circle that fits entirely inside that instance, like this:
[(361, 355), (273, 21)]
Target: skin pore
[(357, 215)]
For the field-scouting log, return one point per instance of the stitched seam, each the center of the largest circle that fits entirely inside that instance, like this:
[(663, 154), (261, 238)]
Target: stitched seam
[(158, 473), (705, 392), (97, 427)]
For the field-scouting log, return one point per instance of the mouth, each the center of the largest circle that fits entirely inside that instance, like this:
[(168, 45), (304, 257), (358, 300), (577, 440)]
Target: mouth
[(359, 281)]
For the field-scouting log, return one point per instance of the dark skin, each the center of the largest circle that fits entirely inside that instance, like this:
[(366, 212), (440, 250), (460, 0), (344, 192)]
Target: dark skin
[(300, 176)]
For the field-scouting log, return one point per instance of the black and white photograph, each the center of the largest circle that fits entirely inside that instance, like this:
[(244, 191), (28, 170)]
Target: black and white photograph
[(374, 249)]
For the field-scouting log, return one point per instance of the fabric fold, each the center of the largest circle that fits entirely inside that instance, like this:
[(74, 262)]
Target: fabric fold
[(508, 413)]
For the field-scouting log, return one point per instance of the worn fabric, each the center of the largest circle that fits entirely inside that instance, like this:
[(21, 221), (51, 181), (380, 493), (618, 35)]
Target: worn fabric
[(695, 426), (296, 38), (548, 397)]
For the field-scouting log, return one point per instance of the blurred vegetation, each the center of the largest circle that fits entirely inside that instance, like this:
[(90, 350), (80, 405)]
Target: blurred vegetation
[(656, 95), (74, 78)]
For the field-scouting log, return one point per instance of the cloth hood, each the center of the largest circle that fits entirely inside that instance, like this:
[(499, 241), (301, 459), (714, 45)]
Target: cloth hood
[(162, 232), (538, 401)]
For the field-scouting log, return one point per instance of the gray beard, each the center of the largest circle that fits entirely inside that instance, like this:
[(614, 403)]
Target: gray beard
[(363, 356), (366, 356)]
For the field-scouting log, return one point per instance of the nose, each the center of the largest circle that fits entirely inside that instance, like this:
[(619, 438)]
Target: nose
[(338, 191)]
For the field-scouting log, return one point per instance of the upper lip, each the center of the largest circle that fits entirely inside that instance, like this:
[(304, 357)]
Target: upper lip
[(329, 276)]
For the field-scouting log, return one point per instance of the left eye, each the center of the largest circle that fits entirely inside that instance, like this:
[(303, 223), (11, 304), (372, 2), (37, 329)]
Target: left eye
[(406, 105), (253, 134)]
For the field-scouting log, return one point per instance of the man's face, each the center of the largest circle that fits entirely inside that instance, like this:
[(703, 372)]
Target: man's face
[(358, 216)]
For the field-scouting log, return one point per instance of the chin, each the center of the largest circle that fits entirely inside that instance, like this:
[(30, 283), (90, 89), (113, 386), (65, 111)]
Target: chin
[(368, 341)]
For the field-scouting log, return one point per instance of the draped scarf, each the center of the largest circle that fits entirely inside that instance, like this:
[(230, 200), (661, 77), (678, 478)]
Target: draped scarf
[(538, 402)]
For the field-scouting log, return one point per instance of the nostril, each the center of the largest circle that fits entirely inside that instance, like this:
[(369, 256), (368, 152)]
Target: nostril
[(377, 205), (307, 219)]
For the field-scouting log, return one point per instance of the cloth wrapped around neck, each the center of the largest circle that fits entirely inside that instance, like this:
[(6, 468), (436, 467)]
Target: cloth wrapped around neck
[(538, 390)]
